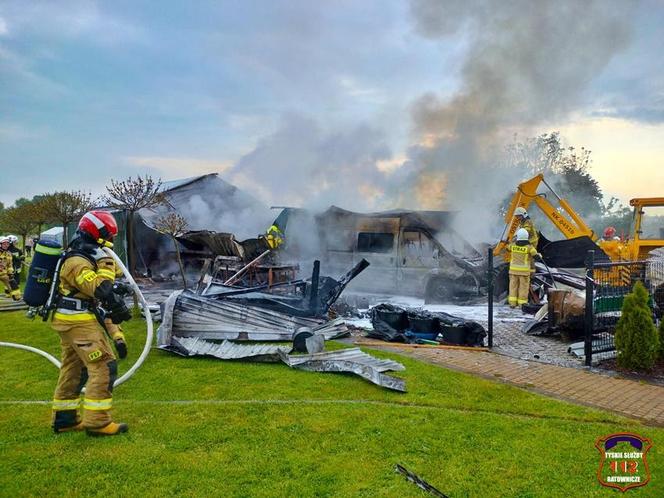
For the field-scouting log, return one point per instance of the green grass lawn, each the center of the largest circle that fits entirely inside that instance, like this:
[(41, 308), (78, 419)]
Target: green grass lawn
[(203, 427)]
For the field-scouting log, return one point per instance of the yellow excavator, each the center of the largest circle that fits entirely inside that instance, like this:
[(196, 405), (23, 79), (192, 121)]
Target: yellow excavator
[(647, 228)]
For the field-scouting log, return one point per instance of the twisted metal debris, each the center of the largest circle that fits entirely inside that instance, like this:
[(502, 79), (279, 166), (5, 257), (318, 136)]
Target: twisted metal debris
[(345, 360)]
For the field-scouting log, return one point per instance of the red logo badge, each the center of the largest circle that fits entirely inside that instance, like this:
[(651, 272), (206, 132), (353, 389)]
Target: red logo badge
[(623, 463)]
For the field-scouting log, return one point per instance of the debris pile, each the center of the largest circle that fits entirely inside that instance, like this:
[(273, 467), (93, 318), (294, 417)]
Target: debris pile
[(192, 321), (395, 324)]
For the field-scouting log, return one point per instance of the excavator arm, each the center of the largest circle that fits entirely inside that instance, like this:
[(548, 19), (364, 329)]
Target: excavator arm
[(563, 217)]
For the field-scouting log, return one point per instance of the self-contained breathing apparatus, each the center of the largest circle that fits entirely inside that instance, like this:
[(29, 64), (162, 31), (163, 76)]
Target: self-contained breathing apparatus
[(44, 274)]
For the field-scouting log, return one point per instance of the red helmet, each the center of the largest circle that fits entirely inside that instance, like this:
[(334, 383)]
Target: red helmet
[(609, 232), (98, 225)]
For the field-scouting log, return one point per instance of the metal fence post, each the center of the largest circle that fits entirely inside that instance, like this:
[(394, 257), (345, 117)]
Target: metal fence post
[(490, 295), (589, 311)]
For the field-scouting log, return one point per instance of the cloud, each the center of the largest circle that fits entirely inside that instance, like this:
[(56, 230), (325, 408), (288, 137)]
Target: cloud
[(356, 90), (178, 167), (4, 28), (70, 19)]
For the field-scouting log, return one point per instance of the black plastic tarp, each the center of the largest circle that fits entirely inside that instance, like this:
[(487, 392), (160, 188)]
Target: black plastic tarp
[(395, 324)]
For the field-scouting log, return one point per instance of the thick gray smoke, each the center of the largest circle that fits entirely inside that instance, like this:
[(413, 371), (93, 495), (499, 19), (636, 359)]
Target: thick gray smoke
[(304, 165), (527, 65)]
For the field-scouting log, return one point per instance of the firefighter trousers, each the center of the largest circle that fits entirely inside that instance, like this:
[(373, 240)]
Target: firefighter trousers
[(10, 286), (87, 360), (519, 287)]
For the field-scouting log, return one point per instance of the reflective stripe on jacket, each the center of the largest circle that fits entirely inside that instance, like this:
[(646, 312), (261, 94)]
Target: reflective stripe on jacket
[(520, 258), (79, 279)]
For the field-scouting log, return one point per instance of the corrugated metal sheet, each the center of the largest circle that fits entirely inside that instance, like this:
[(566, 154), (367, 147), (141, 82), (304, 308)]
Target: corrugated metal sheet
[(227, 350), (189, 315), (350, 360)]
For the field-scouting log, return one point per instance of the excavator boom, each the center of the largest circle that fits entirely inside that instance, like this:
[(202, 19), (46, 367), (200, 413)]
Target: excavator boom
[(563, 217)]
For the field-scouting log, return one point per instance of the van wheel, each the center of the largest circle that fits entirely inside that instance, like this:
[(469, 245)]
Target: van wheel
[(439, 290)]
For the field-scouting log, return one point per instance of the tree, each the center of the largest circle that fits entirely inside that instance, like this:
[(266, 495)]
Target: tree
[(567, 169), (173, 225), (67, 207), (38, 212), (132, 195), (636, 338), (18, 220)]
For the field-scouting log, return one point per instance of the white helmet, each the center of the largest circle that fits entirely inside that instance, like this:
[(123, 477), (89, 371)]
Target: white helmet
[(520, 211), (12, 239), (4, 239), (521, 234)]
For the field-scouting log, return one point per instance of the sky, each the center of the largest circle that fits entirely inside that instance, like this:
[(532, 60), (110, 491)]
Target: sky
[(359, 103)]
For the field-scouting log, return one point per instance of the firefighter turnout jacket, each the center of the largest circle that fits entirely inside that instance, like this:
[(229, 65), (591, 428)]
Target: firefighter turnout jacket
[(533, 236), (521, 257), (7, 275)]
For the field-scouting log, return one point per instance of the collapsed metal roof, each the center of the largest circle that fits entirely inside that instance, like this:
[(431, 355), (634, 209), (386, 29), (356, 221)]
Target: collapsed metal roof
[(187, 314)]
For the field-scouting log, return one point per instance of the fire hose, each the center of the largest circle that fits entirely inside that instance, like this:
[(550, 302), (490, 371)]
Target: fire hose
[(148, 317)]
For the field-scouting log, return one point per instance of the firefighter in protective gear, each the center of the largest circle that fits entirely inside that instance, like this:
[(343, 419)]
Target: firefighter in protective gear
[(521, 254), (274, 237), (7, 270), (86, 301), (526, 223), (17, 258), (610, 234)]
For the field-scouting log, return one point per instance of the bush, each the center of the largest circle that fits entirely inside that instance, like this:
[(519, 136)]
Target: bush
[(661, 338), (637, 339)]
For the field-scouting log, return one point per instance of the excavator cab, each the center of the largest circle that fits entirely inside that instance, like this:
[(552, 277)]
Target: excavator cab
[(647, 227)]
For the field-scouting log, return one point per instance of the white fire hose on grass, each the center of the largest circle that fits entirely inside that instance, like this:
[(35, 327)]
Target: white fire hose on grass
[(148, 317)]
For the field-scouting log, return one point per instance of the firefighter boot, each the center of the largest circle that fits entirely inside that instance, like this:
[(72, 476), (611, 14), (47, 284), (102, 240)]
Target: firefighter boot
[(112, 429), (66, 421)]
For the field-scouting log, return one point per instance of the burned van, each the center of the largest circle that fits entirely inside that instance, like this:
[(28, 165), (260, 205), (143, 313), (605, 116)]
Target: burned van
[(415, 253)]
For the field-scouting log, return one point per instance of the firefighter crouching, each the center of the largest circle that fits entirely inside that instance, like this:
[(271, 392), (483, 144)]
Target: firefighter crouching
[(7, 270), (87, 299), (521, 255)]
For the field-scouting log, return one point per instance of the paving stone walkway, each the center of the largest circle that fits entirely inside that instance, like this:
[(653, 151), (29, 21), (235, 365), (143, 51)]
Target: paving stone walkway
[(626, 397)]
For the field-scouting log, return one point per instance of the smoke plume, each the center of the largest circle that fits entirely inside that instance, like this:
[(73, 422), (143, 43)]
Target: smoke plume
[(527, 65)]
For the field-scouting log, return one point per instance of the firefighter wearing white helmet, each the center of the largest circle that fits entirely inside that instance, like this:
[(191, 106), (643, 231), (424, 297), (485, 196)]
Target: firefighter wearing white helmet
[(524, 220), (17, 258), (7, 270), (522, 253)]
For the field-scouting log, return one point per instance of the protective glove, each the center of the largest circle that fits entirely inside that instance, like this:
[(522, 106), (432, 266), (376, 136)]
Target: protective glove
[(120, 345)]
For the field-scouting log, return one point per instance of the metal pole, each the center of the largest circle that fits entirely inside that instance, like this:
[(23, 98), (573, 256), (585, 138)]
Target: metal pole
[(315, 277), (242, 271), (490, 294), (589, 312)]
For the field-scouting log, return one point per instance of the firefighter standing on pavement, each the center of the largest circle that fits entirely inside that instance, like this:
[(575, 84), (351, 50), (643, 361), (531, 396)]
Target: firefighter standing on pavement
[(87, 298), (7, 270), (521, 255)]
